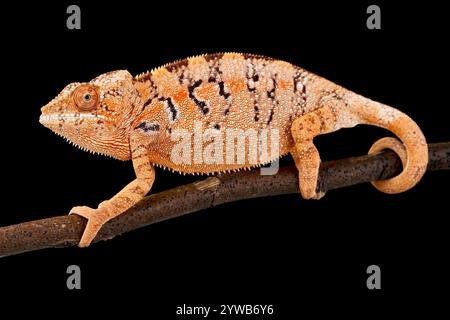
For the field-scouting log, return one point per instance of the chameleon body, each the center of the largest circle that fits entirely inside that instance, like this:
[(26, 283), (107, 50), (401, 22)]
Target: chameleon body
[(136, 118)]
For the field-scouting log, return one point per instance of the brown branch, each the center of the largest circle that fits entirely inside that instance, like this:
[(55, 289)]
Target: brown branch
[(63, 231)]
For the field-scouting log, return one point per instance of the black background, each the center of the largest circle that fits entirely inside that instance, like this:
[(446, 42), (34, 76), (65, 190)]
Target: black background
[(298, 255)]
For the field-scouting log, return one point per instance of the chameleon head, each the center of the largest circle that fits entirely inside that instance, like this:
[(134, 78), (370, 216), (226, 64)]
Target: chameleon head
[(96, 115)]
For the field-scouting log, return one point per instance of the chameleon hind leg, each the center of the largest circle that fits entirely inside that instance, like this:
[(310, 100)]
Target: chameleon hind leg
[(126, 198), (305, 153)]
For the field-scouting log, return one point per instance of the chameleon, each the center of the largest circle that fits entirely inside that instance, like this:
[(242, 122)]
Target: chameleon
[(139, 118)]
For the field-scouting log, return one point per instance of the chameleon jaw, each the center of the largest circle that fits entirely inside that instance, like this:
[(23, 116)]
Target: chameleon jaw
[(76, 134), (52, 122)]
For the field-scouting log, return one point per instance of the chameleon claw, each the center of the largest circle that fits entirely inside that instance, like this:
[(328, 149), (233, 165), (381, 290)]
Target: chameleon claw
[(318, 195), (311, 193), (96, 219)]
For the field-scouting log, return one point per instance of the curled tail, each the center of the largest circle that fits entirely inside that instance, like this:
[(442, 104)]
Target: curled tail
[(412, 150)]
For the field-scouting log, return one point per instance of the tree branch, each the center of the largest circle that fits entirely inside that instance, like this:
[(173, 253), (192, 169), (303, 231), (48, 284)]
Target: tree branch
[(63, 231)]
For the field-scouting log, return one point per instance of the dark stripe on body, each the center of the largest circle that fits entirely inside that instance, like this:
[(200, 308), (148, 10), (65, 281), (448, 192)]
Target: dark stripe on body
[(172, 109), (256, 112), (201, 104), (222, 90), (173, 112), (153, 90), (148, 126), (270, 116)]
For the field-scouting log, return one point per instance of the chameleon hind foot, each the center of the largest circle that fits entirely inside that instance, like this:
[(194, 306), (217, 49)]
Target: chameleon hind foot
[(305, 153)]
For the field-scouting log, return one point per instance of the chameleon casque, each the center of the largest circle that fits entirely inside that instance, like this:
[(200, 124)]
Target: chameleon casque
[(134, 118)]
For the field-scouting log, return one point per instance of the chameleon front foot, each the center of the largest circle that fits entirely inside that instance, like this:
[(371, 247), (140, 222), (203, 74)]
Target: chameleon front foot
[(96, 219)]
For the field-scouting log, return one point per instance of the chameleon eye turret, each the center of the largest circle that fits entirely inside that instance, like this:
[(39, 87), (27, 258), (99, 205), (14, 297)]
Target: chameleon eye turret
[(86, 97)]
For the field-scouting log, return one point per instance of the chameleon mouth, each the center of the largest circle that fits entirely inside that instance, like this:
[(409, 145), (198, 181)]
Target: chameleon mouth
[(51, 118)]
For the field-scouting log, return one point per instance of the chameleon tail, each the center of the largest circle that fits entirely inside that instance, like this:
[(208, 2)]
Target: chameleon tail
[(412, 150)]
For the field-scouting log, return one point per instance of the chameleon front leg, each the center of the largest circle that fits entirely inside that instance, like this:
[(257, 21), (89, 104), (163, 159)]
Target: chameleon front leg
[(126, 198), (304, 152)]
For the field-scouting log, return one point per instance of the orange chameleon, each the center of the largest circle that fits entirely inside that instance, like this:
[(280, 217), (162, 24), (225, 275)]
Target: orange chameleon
[(137, 118)]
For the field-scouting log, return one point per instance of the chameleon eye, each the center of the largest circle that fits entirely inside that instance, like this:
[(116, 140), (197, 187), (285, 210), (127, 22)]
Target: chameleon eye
[(86, 97)]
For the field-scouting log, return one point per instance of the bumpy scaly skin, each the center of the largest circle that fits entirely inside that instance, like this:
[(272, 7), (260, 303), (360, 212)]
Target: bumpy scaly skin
[(136, 117)]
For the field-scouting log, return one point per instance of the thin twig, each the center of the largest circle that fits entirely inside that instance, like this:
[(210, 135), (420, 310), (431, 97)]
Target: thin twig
[(63, 231)]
